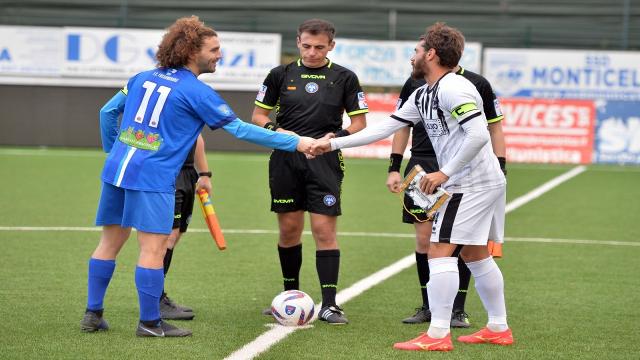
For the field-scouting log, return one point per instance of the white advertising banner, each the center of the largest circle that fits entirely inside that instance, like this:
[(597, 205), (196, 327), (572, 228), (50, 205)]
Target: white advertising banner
[(109, 53), (246, 57), (387, 63), (568, 74), (84, 56), (31, 51)]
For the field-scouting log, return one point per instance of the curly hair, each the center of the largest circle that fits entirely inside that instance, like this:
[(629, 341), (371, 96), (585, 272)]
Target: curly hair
[(182, 39), (448, 42)]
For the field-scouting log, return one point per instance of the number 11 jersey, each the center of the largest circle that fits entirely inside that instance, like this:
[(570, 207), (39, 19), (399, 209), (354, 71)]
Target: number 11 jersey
[(164, 112)]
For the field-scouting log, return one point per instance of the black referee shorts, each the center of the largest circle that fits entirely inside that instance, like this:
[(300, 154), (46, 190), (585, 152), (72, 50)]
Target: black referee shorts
[(415, 213), (312, 185), (185, 195)]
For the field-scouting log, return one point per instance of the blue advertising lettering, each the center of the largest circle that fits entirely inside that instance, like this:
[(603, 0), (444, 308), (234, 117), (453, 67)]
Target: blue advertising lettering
[(367, 51), (5, 55), (117, 49), (608, 77), (239, 59)]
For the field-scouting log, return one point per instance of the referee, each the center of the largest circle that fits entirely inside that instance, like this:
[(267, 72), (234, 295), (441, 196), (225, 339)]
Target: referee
[(422, 153), (309, 96)]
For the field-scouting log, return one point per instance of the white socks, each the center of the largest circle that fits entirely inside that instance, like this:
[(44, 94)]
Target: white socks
[(490, 287), (442, 289)]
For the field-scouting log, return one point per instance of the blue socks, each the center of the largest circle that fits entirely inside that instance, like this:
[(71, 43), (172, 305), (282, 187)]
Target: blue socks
[(100, 272), (149, 283)]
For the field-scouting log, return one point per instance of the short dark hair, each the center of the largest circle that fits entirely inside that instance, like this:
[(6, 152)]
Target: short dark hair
[(182, 39), (447, 41), (317, 26)]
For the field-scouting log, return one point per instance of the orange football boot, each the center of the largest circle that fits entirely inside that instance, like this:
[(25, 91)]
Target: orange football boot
[(425, 343), (486, 336)]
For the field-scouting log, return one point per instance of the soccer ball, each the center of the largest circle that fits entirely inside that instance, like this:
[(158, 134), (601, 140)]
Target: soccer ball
[(292, 308)]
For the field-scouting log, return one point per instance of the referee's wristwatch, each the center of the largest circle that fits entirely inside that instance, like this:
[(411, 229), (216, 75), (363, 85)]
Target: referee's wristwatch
[(205, 173)]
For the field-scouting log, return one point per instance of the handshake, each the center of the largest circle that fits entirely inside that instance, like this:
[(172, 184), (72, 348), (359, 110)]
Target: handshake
[(312, 147)]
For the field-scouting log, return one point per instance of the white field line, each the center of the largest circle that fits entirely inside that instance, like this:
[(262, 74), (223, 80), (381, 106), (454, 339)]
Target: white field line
[(277, 333), (341, 234), (263, 342), (537, 192)]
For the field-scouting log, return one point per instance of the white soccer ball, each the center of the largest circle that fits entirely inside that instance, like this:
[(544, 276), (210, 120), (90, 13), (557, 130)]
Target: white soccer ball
[(292, 308)]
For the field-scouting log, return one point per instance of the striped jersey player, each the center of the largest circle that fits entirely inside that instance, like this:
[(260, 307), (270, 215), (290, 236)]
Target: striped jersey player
[(444, 109), (449, 106)]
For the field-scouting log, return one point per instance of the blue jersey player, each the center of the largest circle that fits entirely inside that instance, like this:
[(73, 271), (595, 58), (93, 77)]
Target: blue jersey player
[(165, 110)]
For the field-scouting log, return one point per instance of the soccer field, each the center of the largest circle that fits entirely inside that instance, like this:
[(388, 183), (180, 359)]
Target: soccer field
[(571, 266)]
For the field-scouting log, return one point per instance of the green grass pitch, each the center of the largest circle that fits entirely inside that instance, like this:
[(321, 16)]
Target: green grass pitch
[(566, 300)]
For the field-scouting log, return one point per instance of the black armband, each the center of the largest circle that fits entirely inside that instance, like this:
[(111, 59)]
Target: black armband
[(503, 164), (271, 126), (205, 173), (395, 161), (342, 132)]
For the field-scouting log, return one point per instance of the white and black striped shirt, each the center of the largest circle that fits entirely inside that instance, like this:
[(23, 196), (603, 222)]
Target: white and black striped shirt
[(450, 112)]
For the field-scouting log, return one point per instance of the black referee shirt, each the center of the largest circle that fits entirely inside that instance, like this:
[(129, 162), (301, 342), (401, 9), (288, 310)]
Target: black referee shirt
[(310, 101), (189, 161), (420, 143)]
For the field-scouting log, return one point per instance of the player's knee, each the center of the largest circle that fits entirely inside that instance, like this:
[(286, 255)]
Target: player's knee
[(325, 240), (173, 239), (290, 235), (422, 247)]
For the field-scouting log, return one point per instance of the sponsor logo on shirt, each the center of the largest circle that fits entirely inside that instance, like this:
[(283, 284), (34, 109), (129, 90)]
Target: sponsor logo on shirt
[(261, 93), (329, 200), (312, 76), (141, 140), (311, 87)]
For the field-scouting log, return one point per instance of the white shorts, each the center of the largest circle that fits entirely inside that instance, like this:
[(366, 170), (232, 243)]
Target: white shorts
[(467, 218), (496, 232)]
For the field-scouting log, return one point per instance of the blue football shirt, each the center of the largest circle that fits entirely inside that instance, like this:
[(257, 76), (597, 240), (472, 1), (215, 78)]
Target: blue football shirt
[(165, 110)]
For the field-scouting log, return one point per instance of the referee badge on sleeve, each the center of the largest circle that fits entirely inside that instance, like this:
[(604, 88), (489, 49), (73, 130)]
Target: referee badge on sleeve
[(362, 101), (261, 93)]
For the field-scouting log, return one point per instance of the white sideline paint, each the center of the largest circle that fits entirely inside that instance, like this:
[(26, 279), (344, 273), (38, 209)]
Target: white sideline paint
[(270, 337), (537, 192), (277, 333), (343, 234)]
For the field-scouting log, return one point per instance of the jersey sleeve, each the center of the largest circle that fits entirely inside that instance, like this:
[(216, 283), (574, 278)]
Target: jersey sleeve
[(109, 119), (269, 92), (214, 111), (409, 113), (461, 101), (492, 109), (257, 135), (354, 99)]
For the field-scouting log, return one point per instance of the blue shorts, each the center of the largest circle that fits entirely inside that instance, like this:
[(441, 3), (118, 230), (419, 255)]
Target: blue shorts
[(143, 210)]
